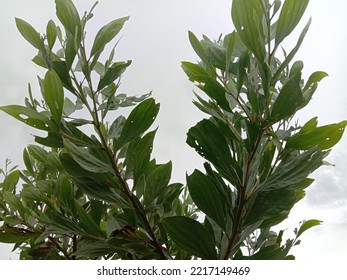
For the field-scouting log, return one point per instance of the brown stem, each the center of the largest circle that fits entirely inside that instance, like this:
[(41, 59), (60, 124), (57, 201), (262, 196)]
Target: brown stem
[(61, 249), (242, 200)]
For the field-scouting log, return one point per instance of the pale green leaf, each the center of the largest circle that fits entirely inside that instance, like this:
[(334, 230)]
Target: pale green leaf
[(291, 13), (51, 33), (30, 34), (307, 225)]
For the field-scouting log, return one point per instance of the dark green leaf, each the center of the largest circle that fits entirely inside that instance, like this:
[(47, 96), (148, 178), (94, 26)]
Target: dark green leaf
[(206, 197), (60, 67), (93, 249), (268, 204), (66, 195), (53, 140), (14, 235), (70, 50), (139, 120), (156, 181), (113, 73), (138, 155), (289, 99), (291, 13), (62, 225), (30, 34), (190, 236), (87, 223), (37, 153), (210, 143), (106, 34), (85, 159)]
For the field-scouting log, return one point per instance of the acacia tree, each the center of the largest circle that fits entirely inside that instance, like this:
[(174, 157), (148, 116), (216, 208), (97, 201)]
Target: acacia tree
[(102, 195)]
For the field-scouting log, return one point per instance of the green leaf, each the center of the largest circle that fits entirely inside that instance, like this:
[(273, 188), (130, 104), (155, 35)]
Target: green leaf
[(54, 94), (113, 73), (28, 161), (197, 47), (248, 16), (307, 225), (210, 143), (206, 197), (51, 33), (11, 180), (269, 203), (14, 202), (93, 249), (106, 34), (14, 235), (156, 181), (325, 137), (315, 78), (53, 140), (291, 171), (37, 153), (87, 222), (85, 159), (291, 13), (62, 225), (215, 54), (139, 120), (289, 99), (100, 189), (28, 116), (138, 155), (208, 84), (271, 252), (190, 236), (70, 50), (60, 67), (68, 15), (66, 194), (30, 34)]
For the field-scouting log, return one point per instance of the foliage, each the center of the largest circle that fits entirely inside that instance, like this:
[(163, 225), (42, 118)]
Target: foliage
[(102, 195)]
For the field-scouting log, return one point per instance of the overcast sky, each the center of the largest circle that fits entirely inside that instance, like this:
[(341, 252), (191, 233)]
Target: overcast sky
[(156, 40)]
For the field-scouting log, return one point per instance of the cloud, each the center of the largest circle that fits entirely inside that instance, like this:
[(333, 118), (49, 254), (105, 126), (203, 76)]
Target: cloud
[(330, 188)]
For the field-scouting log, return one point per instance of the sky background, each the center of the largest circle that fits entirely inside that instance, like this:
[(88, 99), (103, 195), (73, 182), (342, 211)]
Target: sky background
[(156, 39)]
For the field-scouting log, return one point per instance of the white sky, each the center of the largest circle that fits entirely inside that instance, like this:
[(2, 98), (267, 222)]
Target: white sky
[(156, 40)]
